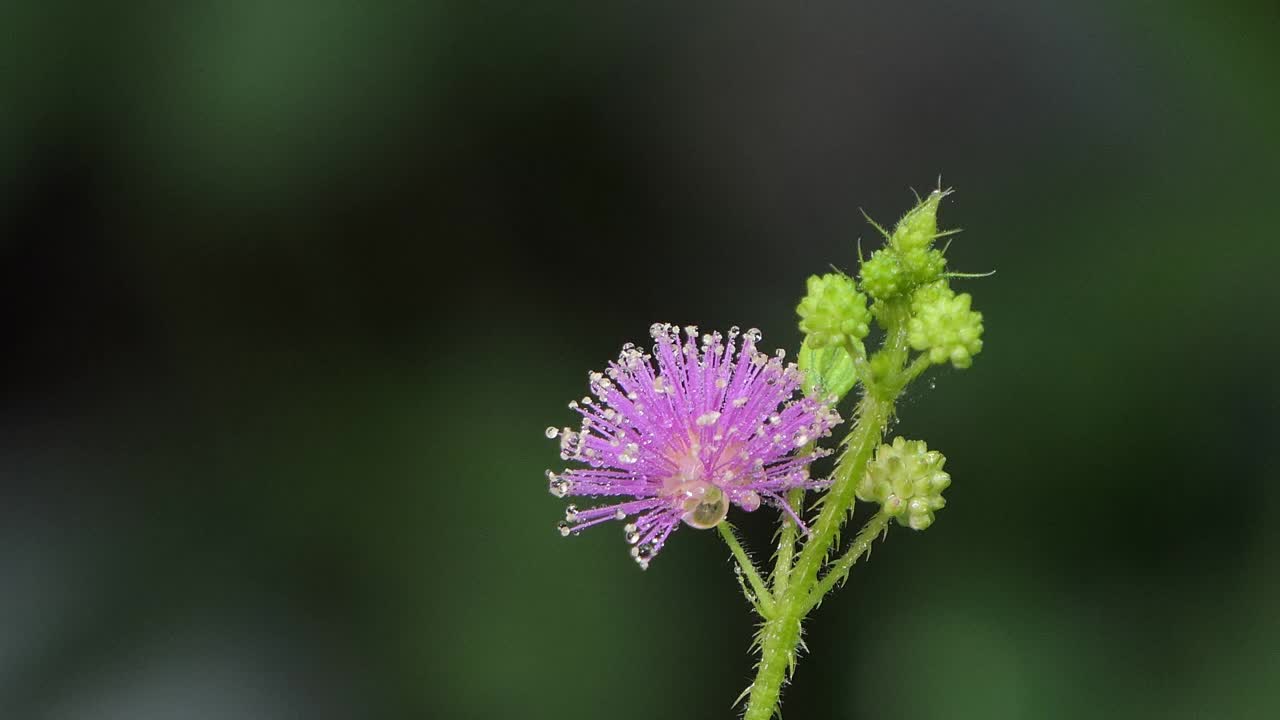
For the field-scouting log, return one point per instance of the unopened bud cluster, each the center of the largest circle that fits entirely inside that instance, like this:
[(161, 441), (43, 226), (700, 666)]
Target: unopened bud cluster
[(943, 325), (833, 312), (907, 283), (909, 260), (906, 479)]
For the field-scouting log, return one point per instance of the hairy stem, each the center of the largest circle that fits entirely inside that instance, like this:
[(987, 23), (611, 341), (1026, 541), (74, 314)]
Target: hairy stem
[(787, 543), (861, 545), (748, 568), (795, 597)]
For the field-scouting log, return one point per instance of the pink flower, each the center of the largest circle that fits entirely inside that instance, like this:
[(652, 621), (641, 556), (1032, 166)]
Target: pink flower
[(711, 426)]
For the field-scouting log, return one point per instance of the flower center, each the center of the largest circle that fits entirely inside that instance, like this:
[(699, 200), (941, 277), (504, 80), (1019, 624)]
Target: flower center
[(704, 504)]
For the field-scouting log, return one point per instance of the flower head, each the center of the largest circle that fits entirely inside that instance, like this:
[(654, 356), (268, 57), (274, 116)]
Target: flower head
[(944, 326), (906, 479), (833, 311), (711, 425)]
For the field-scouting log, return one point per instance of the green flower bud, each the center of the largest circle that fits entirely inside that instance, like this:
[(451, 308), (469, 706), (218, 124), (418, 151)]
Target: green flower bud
[(930, 294), (833, 312), (906, 479), (883, 276), (944, 326), (919, 227), (923, 265)]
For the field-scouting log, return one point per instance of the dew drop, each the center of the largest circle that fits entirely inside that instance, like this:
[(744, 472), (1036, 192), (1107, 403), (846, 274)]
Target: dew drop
[(558, 487), (706, 508), (564, 527), (620, 514), (571, 513), (708, 418), (552, 432)]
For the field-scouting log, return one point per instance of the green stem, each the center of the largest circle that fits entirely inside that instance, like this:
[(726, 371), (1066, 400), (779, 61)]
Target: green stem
[(781, 634), (748, 568), (787, 542), (839, 570), (918, 366), (794, 597)]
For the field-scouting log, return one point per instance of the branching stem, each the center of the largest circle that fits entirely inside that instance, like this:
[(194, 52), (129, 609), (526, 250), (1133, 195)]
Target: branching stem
[(797, 588)]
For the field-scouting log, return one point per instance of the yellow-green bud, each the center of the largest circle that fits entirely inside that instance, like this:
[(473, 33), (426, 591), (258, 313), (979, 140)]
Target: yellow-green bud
[(883, 276), (906, 479), (930, 294), (944, 326), (923, 265), (918, 228), (833, 312)]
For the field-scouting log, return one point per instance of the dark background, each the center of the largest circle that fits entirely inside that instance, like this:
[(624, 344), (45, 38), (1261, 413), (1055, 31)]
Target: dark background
[(288, 292)]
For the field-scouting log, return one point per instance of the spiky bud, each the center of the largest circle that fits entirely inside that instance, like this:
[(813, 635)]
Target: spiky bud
[(833, 311), (906, 479), (919, 227)]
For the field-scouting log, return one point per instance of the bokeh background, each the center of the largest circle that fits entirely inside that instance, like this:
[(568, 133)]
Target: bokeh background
[(289, 291)]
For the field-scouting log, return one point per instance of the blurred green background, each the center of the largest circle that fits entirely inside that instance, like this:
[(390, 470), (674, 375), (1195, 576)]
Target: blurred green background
[(289, 291)]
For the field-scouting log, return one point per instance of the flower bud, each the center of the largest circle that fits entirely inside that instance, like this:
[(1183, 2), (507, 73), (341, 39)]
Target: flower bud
[(944, 326), (919, 227), (906, 479), (883, 276), (923, 265), (833, 312)]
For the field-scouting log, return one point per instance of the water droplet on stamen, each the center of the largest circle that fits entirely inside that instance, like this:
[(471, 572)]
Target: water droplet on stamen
[(564, 527), (558, 487), (552, 432), (708, 418)]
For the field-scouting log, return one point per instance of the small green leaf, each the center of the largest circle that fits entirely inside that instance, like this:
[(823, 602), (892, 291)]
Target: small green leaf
[(827, 371)]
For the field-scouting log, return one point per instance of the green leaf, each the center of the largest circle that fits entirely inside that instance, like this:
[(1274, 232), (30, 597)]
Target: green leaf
[(827, 371)]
